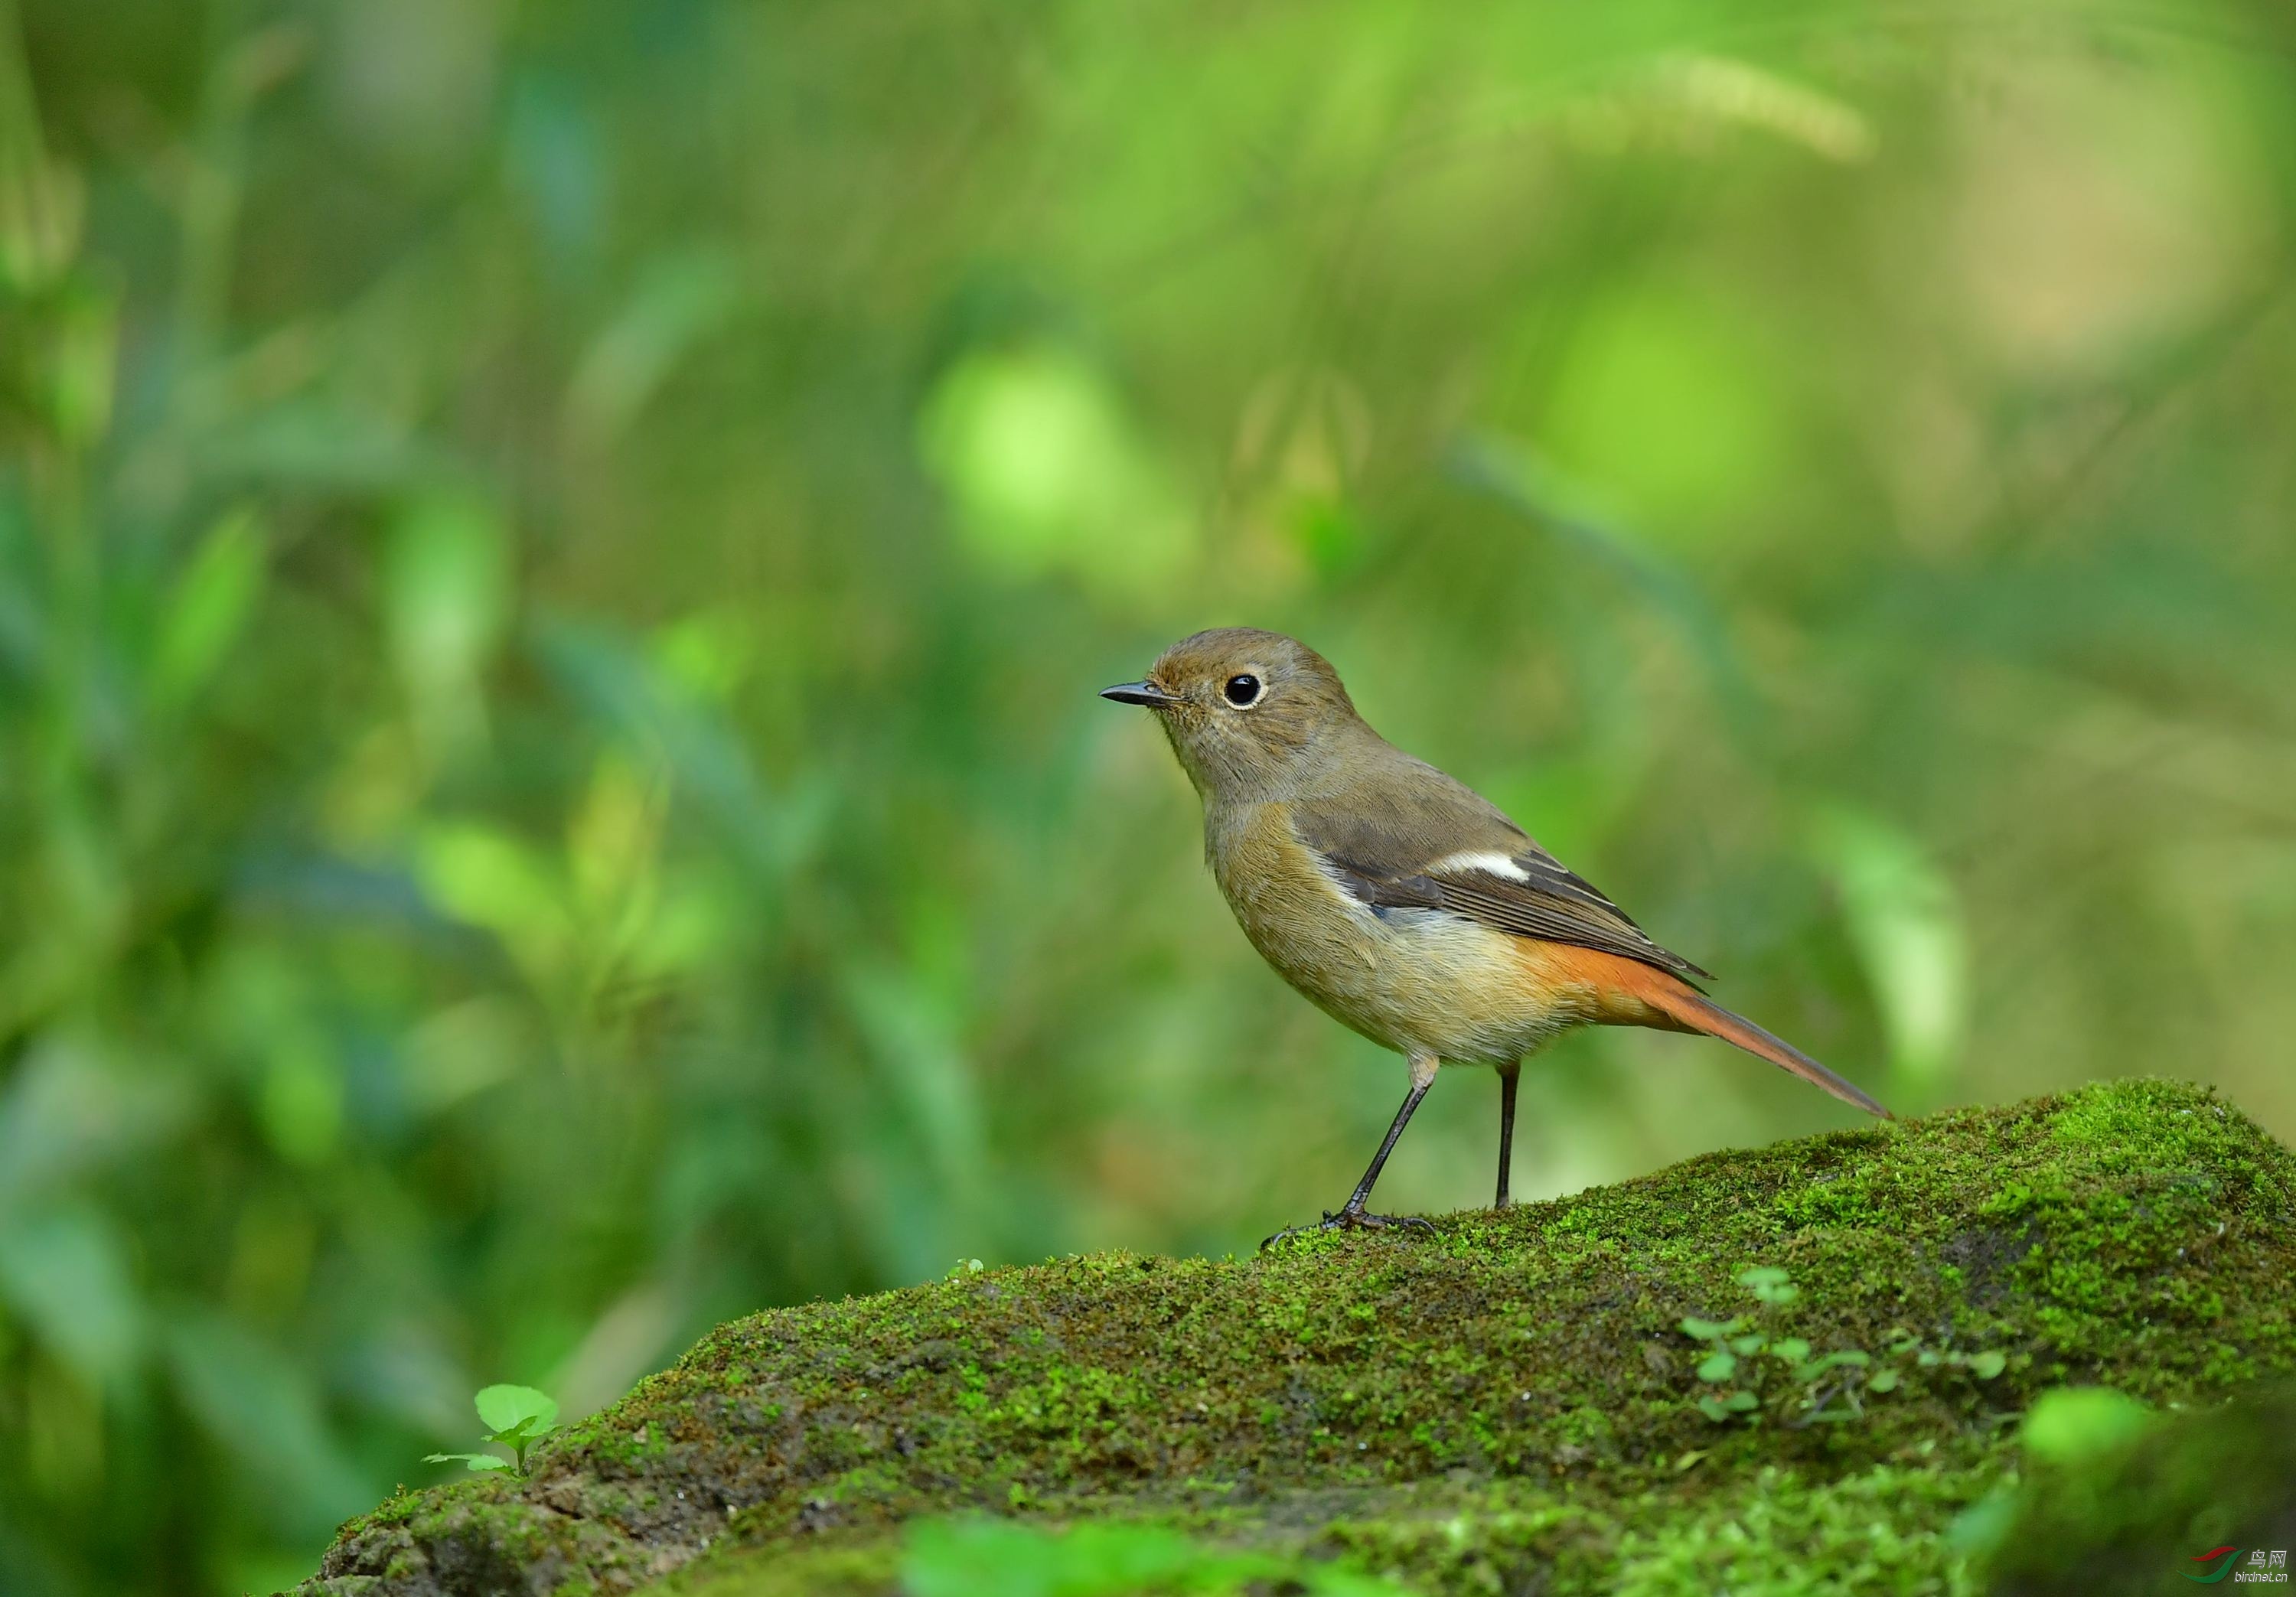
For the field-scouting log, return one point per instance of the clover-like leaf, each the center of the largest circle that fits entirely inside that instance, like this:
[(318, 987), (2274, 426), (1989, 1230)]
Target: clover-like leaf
[(1714, 1409), (1986, 1365), (1749, 1344), (469, 1460), (1741, 1402), (1720, 1364), (1769, 1284), (1793, 1350), (1883, 1380), (508, 1408), (1706, 1330)]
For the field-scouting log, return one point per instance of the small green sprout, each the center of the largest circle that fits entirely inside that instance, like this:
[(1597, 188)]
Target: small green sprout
[(1983, 1366), (1769, 1284), (516, 1418), (1811, 1389)]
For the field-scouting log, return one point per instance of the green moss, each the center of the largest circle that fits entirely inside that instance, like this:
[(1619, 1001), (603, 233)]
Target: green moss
[(1508, 1399)]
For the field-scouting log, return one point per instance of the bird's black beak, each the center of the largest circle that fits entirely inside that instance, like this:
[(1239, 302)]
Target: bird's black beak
[(1145, 693)]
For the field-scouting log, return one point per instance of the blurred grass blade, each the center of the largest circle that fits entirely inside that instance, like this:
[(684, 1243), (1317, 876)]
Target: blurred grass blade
[(677, 302), (1906, 921), (1531, 488), (209, 607), (65, 1113), (445, 603), (64, 1272), (259, 1407)]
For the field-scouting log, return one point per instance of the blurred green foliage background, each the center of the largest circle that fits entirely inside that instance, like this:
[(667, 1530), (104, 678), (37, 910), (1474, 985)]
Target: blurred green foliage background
[(555, 559)]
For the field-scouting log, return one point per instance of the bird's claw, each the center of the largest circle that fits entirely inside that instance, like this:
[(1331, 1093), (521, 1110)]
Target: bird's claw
[(1352, 1219)]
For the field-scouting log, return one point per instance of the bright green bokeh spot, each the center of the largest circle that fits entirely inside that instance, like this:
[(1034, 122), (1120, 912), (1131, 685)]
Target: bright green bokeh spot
[(2070, 1424), (491, 879), (1671, 413), (1047, 473)]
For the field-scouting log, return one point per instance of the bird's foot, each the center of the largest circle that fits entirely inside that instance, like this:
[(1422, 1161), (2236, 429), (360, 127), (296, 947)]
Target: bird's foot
[(1352, 1219)]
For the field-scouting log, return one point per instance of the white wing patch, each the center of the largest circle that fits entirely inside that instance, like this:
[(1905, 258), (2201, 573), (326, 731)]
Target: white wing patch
[(1489, 863)]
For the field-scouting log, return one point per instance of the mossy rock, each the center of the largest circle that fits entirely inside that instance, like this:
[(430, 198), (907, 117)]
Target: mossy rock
[(1510, 1406)]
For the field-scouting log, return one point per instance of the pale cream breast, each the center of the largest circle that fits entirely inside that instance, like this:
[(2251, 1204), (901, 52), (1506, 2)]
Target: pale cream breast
[(1423, 981)]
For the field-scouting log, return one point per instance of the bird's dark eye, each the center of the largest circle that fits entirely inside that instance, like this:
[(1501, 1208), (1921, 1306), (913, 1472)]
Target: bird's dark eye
[(1242, 691)]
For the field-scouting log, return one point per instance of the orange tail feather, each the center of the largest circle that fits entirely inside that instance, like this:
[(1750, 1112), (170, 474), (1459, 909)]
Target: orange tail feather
[(1681, 1006)]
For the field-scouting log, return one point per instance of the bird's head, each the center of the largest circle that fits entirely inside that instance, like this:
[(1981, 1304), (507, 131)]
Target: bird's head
[(1247, 711)]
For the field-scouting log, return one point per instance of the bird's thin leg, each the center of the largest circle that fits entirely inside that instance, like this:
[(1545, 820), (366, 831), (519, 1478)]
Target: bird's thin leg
[(1509, 1076), (1352, 1214)]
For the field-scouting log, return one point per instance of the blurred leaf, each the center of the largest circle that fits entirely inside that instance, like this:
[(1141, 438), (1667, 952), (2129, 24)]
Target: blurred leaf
[(1906, 921), (301, 1099), (708, 652), (612, 840), (629, 1339), (42, 204), (208, 606), (65, 1112), (446, 602), (1730, 90), (65, 1272), (2070, 1425), (613, 683), (493, 880), (464, 1049), (260, 1407), (677, 300), (914, 1041), (78, 365)]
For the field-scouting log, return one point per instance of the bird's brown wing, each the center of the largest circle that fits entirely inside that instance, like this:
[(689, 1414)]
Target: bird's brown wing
[(1431, 842)]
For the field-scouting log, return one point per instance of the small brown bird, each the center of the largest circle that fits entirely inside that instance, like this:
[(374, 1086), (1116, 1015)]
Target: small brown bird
[(1403, 903)]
